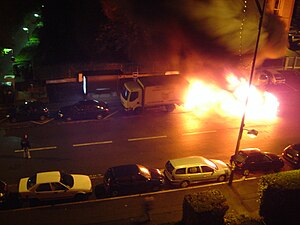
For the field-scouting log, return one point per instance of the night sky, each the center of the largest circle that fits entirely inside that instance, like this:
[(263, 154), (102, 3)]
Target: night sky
[(185, 33)]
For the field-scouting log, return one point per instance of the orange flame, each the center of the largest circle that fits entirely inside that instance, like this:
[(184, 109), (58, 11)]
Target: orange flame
[(205, 98)]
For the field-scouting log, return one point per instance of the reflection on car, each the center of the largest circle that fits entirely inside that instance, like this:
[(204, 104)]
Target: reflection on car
[(55, 185), (29, 110), (132, 179), (3, 192), (86, 109), (252, 159), (291, 153), (195, 169)]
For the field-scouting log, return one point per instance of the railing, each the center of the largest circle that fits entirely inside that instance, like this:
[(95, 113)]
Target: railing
[(292, 62)]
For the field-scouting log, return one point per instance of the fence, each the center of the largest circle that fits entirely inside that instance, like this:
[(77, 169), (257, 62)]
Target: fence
[(292, 62)]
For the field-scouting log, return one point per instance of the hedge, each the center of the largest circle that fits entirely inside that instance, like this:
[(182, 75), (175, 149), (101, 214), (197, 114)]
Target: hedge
[(280, 198), (207, 208)]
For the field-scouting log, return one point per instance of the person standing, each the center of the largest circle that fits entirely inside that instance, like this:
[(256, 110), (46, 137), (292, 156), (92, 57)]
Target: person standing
[(25, 145)]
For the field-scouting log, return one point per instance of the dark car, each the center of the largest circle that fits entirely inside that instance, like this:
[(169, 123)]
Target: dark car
[(3, 192), (29, 110), (252, 159), (132, 179), (86, 109), (292, 154)]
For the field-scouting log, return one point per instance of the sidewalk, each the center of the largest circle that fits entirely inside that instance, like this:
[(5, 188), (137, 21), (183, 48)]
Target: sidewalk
[(242, 198)]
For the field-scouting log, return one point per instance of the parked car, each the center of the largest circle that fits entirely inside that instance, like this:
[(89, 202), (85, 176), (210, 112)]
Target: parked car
[(132, 179), (55, 185), (195, 169), (291, 153), (252, 159), (86, 109), (3, 192), (29, 110), (267, 77)]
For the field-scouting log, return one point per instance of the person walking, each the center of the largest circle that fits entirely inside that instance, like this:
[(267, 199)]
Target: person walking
[(25, 145)]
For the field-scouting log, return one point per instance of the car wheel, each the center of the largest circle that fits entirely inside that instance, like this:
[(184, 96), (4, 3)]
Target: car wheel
[(81, 197), (221, 178), (170, 108), (246, 172), (68, 118), (34, 202), (99, 117), (42, 118), (276, 170), (114, 193), (184, 184)]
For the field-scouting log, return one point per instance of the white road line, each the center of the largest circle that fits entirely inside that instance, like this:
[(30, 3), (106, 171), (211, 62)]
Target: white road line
[(42, 122), (110, 115), (38, 149), (199, 132), (92, 143), (146, 138)]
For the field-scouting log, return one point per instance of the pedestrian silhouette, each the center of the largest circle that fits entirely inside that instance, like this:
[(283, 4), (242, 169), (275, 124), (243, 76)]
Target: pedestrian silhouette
[(25, 145)]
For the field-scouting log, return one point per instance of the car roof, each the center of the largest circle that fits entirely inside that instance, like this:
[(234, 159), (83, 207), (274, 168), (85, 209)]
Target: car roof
[(251, 151), (47, 177), (125, 170), (190, 160), (296, 146)]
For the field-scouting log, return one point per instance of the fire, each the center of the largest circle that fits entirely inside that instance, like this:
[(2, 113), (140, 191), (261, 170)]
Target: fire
[(203, 98)]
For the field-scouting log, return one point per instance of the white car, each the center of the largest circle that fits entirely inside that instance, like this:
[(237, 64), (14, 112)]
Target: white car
[(55, 185), (195, 169)]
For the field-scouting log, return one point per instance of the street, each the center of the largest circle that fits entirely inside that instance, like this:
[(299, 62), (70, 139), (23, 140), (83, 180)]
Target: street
[(152, 138)]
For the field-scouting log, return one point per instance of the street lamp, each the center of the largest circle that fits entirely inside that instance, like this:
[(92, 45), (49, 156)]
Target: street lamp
[(261, 12), (27, 31)]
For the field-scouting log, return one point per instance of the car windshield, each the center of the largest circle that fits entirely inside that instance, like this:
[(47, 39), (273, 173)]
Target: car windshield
[(144, 172), (31, 181), (240, 157), (211, 164), (66, 179)]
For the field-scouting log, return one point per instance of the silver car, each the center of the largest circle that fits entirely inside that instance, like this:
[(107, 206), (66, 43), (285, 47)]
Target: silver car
[(195, 169)]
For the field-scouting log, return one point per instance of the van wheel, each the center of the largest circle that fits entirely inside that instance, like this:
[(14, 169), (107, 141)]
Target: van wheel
[(246, 172), (170, 108), (184, 184), (221, 178), (138, 110)]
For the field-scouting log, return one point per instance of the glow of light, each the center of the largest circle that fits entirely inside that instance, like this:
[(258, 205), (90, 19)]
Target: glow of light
[(205, 98)]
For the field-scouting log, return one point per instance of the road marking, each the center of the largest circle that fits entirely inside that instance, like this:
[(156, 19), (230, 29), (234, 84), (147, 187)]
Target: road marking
[(146, 138), (92, 143), (199, 132), (42, 122), (110, 115), (38, 149)]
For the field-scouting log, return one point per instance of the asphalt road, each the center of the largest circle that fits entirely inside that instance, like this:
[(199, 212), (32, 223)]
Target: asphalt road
[(90, 147)]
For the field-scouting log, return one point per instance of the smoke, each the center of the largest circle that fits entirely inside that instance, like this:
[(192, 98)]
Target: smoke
[(206, 35)]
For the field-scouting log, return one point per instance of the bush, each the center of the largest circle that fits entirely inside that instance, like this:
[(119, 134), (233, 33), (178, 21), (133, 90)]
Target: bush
[(280, 197), (207, 208)]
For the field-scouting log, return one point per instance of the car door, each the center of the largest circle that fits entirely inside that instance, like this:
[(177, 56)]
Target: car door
[(140, 184), (208, 173), (194, 174), (43, 192), (60, 191)]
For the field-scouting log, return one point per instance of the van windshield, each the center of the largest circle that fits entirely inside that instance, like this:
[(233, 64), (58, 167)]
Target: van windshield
[(169, 167), (125, 93)]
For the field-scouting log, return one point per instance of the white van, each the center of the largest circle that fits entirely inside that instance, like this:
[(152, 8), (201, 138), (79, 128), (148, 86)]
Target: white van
[(195, 169)]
